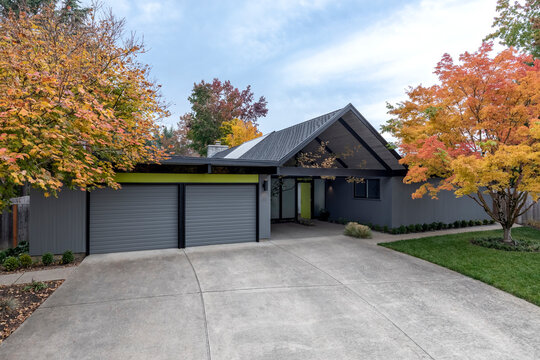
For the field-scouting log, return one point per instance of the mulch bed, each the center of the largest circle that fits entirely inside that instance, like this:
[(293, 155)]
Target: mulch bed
[(27, 301)]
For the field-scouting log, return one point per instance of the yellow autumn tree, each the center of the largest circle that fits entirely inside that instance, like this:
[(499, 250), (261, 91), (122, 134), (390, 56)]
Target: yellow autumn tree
[(237, 132), (75, 103), (477, 132)]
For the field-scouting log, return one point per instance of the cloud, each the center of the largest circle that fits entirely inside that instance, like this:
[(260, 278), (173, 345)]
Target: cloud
[(400, 49), (259, 28)]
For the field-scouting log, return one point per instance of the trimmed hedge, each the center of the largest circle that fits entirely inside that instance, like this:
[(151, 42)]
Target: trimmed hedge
[(416, 228)]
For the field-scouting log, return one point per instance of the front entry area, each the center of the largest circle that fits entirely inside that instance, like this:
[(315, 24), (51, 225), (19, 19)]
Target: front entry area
[(294, 198), (160, 216)]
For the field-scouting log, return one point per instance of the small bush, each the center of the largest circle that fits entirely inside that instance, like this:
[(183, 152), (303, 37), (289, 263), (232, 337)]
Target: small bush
[(25, 260), (35, 286), (445, 226), (47, 259), (8, 304), (67, 257), (324, 214), (491, 221), (425, 227), (471, 223), (478, 222), (357, 230), (11, 263), (464, 223), (385, 229), (411, 228), (485, 221), (394, 231), (376, 227), (456, 224)]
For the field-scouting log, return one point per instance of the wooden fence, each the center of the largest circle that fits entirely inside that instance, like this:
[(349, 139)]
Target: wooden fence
[(14, 223), (532, 214)]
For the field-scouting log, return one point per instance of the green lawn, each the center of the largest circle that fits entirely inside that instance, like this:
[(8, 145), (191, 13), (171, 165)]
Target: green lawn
[(515, 272)]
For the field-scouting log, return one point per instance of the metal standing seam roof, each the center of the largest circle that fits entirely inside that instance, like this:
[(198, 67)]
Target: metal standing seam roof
[(279, 144)]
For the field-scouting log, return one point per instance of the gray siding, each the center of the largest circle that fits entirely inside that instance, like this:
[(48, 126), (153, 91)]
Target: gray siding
[(447, 209), (57, 224), (264, 207), (136, 217), (341, 203), (220, 214)]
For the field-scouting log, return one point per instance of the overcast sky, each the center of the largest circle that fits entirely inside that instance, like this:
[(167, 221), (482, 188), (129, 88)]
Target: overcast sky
[(306, 57)]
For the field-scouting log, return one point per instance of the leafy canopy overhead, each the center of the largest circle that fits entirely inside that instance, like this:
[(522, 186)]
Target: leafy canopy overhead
[(75, 104), (478, 131), (518, 25), (238, 132), (214, 103)]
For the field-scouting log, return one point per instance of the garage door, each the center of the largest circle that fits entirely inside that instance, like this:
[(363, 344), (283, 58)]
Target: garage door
[(220, 214), (136, 217)]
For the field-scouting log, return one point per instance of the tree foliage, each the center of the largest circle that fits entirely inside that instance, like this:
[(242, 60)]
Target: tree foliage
[(478, 132), (238, 132), (214, 103), (518, 25), (75, 104), (174, 141)]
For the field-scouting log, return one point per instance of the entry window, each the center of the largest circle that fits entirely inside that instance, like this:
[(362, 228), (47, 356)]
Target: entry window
[(369, 189)]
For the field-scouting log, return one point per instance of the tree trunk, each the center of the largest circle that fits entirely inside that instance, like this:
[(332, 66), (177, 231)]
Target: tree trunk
[(508, 235)]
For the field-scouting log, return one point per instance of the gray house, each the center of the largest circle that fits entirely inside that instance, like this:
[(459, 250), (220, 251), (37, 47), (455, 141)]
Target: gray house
[(235, 194)]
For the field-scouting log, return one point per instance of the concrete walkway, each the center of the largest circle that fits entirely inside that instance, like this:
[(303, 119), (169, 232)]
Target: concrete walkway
[(38, 275), (299, 297)]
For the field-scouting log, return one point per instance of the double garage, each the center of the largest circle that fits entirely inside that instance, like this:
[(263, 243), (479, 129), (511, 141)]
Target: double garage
[(146, 217)]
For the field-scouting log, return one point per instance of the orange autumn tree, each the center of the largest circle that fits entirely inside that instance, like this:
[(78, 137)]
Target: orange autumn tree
[(75, 104), (238, 132), (477, 132)]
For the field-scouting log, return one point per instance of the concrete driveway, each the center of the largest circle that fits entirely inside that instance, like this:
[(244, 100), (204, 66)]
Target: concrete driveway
[(308, 294)]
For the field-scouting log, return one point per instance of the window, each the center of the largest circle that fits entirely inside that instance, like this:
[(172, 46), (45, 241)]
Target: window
[(369, 189)]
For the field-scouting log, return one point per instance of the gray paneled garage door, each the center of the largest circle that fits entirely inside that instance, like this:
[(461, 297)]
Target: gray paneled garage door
[(136, 217), (220, 214)]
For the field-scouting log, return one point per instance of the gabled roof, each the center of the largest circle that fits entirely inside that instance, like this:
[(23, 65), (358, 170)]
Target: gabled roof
[(280, 146)]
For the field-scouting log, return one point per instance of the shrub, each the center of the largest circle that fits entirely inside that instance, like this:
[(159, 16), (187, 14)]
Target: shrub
[(445, 226), (11, 263), (418, 227), (411, 228), (385, 229), (471, 223), (491, 221), (485, 221), (464, 223), (67, 257), (25, 260), (456, 224), (357, 230), (478, 222), (8, 304), (21, 248), (324, 214), (35, 285), (47, 259), (425, 227), (377, 228)]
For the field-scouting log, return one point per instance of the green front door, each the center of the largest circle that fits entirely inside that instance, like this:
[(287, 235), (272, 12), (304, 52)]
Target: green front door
[(305, 200)]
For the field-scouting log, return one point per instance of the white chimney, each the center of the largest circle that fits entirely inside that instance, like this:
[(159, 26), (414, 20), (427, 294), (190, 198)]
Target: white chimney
[(214, 149)]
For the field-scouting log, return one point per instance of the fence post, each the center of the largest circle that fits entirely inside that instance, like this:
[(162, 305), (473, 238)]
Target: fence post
[(15, 225)]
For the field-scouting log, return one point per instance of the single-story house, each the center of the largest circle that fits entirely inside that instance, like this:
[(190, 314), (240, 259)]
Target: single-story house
[(235, 194)]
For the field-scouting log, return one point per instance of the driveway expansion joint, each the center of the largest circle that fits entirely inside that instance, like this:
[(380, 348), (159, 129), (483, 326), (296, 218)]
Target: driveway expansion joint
[(208, 350), (359, 296)]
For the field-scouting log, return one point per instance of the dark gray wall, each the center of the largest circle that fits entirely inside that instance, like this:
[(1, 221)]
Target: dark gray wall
[(57, 224), (341, 203), (446, 209), (396, 206)]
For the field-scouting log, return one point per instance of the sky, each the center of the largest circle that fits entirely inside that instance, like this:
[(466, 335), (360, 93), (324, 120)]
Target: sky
[(306, 57)]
